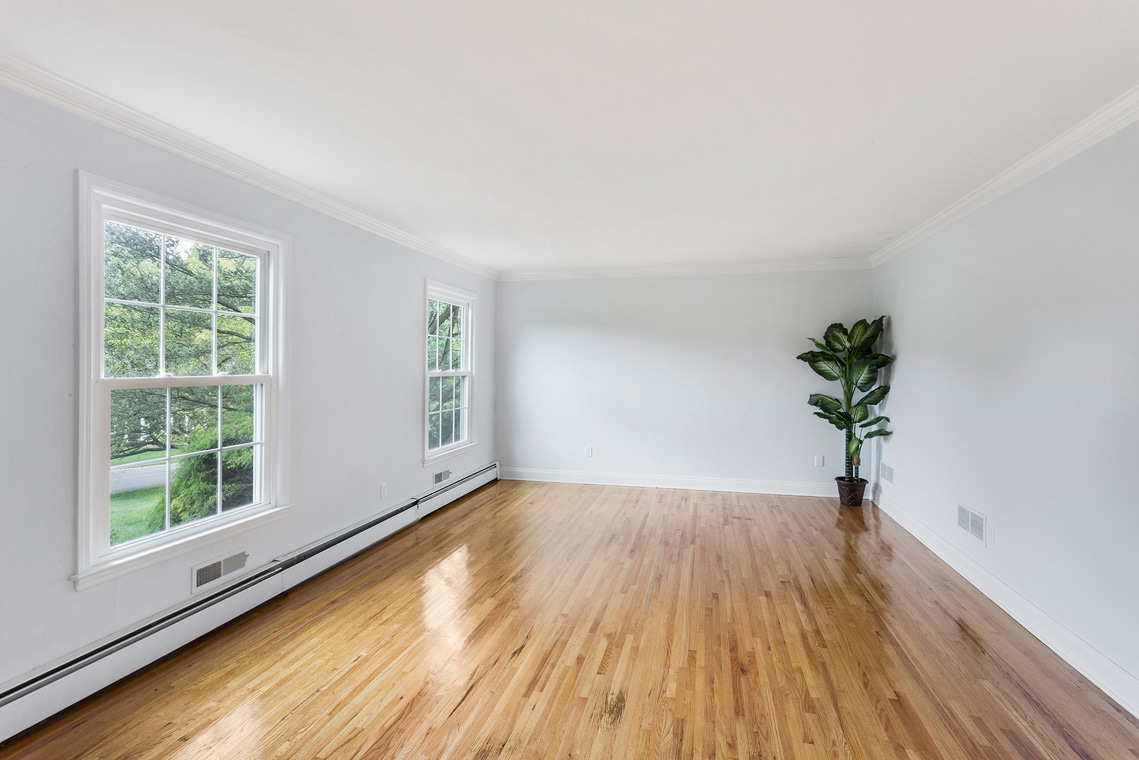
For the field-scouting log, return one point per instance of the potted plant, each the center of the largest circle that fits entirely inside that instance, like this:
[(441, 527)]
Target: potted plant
[(848, 358)]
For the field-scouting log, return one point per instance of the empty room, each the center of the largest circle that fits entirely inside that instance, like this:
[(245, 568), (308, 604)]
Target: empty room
[(628, 380)]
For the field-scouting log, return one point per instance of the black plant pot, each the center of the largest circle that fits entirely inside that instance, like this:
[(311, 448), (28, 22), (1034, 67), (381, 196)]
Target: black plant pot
[(850, 491)]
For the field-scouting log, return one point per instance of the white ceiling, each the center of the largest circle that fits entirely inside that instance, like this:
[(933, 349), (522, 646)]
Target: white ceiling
[(540, 137)]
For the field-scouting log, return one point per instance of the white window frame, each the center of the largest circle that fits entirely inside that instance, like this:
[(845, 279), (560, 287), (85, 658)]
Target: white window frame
[(101, 200), (440, 292)]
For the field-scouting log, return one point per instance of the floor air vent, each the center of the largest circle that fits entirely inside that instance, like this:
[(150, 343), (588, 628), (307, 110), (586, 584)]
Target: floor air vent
[(203, 576)]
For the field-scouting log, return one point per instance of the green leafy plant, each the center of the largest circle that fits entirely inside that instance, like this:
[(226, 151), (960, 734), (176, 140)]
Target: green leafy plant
[(194, 486), (848, 358)]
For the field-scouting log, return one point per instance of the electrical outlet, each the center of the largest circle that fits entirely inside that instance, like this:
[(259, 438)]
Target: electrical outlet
[(887, 472), (383, 490), (589, 451), (820, 460)]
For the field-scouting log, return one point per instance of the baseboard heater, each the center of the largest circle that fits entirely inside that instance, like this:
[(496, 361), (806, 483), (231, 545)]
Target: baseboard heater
[(42, 695)]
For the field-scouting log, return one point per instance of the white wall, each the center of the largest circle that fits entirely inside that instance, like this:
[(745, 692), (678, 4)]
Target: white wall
[(677, 381), (354, 309), (1016, 393)]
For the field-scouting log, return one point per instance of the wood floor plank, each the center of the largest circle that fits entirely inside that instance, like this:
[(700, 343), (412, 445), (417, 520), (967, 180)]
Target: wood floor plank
[(538, 620)]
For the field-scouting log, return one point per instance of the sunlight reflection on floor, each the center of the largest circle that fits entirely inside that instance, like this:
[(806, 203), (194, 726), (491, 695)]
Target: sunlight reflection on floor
[(233, 735), (446, 592)]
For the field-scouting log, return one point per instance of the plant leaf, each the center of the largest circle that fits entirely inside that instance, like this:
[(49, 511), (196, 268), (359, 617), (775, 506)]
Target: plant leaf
[(836, 338), (833, 419), (875, 396), (829, 369), (873, 332), (858, 332), (810, 356), (878, 432), (826, 403), (864, 373), (859, 413), (824, 363), (875, 421), (820, 345), (854, 446)]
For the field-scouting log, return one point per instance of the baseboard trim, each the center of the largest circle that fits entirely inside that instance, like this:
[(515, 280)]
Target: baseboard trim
[(48, 689), (690, 483), (1114, 680)]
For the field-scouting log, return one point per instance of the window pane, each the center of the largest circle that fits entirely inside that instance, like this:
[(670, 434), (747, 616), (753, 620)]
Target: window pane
[(456, 354), (432, 317), (447, 428), (445, 354), (237, 410), (432, 354), (456, 322), (460, 425), (444, 319), (130, 341), (194, 489), (189, 274), (193, 419), (236, 346), (432, 431), (131, 263), (447, 393), (434, 388), (237, 478), (460, 392), (189, 343), (237, 282), (138, 428), (138, 502)]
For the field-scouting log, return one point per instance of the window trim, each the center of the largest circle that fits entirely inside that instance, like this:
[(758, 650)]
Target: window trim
[(100, 199), (443, 292)]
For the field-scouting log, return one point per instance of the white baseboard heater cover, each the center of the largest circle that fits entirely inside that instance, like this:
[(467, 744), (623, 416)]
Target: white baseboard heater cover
[(40, 695), (443, 496)]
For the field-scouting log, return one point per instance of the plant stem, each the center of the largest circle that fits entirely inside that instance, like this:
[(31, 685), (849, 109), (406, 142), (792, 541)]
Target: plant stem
[(849, 462)]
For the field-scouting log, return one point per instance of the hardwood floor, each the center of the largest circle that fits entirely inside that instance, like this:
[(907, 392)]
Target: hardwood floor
[(561, 621)]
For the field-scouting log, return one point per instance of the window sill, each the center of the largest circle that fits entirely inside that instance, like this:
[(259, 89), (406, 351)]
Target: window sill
[(447, 453), (142, 557)]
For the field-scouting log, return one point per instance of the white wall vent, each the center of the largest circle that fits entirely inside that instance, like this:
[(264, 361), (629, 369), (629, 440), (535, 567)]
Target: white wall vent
[(886, 471), (975, 523), (441, 476), (209, 574)]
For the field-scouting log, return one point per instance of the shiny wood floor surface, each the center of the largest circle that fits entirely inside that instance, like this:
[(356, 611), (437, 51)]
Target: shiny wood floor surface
[(562, 621)]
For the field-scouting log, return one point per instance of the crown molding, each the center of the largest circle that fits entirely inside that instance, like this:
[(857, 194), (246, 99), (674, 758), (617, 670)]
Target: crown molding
[(1116, 115), (62, 93), (690, 270), (69, 96)]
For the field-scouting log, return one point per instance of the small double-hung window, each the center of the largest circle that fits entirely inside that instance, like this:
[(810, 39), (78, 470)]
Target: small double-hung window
[(450, 317), (181, 375)]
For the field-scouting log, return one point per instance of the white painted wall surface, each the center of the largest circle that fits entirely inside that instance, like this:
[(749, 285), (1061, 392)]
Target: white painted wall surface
[(355, 363), (1015, 393), (674, 381)]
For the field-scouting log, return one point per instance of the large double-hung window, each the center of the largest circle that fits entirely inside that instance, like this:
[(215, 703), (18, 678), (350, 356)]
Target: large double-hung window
[(450, 317), (181, 372)]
